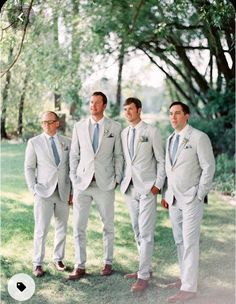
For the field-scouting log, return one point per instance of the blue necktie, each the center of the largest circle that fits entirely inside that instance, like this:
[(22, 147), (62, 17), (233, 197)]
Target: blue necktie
[(131, 148), (95, 137), (55, 152), (175, 148)]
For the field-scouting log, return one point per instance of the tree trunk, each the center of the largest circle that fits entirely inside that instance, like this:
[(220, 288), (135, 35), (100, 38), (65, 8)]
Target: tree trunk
[(57, 101), (119, 80), (4, 101), (4, 106), (21, 108), (75, 84), (57, 96)]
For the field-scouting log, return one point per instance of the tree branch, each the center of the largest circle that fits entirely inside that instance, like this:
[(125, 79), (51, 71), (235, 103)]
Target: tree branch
[(136, 15), (22, 40)]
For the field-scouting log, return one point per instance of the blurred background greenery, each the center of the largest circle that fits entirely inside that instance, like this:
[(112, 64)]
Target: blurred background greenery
[(159, 51)]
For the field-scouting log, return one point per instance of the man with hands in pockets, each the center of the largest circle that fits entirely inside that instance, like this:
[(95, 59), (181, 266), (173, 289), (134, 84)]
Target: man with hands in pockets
[(190, 167), (144, 176)]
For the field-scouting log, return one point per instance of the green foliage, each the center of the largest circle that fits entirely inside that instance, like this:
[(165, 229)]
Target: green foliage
[(64, 40), (224, 180), (219, 122)]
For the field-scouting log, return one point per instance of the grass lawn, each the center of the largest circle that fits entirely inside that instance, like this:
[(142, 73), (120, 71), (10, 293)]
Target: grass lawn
[(217, 259)]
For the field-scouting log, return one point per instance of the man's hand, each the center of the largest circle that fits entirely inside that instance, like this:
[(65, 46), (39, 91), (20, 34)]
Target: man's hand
[(70, 201), (164, 204), (155, 190)]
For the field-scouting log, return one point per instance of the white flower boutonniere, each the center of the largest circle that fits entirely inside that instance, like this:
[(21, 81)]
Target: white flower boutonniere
[(185, 140), (64, 146), (106, 132), (143, 138)]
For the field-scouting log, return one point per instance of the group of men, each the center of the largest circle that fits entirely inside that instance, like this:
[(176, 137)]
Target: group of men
[(100, 157)]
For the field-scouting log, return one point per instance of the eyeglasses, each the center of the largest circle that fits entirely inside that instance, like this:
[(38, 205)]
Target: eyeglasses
[(48, 122)]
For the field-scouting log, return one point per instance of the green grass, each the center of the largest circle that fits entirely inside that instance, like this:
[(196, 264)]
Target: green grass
[(216, 277)]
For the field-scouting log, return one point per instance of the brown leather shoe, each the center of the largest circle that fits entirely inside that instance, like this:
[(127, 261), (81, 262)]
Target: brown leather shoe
[(134, 275), (59, 266), (77, 274), (38, 271), (176, 284), (139, 286), (181, 296), (107, 270)]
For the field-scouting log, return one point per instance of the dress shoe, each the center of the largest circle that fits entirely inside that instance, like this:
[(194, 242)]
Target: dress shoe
[(38, 271), (77, 274), (176, 284), (139, 286), (107, 270), (59, 266), (181, 296), (134, 275)]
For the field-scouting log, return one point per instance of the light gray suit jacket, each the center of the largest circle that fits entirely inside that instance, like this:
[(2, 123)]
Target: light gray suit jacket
[(147, 166), (192, 172), (41, 173), (106, 164)]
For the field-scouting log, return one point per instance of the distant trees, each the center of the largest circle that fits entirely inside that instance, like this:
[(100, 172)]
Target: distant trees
[(178, 37)]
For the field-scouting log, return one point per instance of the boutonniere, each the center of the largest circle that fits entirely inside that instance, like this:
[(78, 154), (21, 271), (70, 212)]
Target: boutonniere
[(185, 140), (143, 138), (64, 147), (107, 134)]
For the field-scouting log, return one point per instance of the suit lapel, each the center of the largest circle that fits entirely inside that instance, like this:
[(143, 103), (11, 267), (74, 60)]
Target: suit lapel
[(143, 128), (168, 146), (46, 147), (87, 133), (106, 132), (62, 147), (184, 142), (125, 135)]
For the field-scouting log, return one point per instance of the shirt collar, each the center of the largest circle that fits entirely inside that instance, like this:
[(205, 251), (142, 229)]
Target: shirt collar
[(49, 136), (183, 131), (138, 126), (100, 122)]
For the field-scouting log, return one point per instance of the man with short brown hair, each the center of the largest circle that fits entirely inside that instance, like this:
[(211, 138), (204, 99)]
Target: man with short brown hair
[(96, 164), (190, 167), (144, 176)]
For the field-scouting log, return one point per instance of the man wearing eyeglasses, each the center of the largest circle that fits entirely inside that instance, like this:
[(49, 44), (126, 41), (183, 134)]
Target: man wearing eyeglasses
[(47, 177)]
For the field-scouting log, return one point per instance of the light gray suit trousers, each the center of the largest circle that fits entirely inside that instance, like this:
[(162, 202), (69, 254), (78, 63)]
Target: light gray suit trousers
[(94, 177), (143, 171), (189, 180), (50, 186)]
